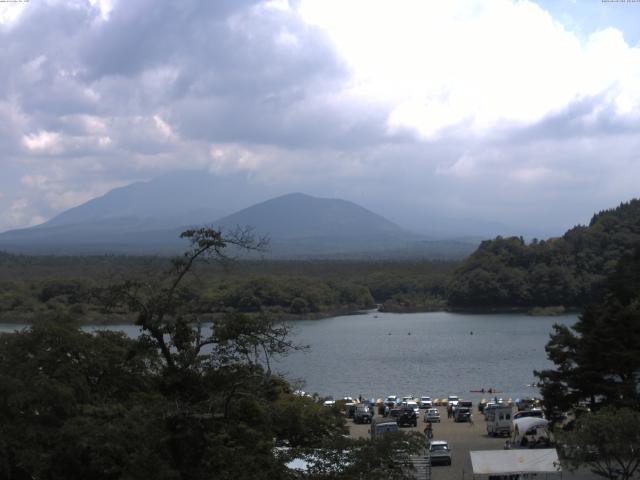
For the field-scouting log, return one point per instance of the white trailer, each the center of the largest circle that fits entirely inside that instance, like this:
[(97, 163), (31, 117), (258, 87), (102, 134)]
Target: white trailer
[(499, 420)]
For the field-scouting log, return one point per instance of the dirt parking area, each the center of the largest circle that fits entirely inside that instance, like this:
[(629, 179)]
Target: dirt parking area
[(462, 438)]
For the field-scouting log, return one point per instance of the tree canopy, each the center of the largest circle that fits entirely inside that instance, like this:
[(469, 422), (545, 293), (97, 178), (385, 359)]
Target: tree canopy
[(509, 273), (184, 400), (598, 361)]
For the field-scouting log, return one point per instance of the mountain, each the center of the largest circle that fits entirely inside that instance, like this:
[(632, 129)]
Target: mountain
[(302, 216), (180, 198), (302, 225), (148, 217)]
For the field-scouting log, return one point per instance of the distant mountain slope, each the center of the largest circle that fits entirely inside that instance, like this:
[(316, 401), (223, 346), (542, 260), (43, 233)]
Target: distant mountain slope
[(507, 272), (298, 225), (181, 198), (302, 216), (148, 217)]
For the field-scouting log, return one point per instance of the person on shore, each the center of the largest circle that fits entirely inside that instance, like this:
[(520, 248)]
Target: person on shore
[(507, 444), (428, 431)]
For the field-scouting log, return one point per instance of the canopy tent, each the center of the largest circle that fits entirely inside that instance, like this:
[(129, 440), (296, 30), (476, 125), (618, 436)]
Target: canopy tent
[(514, 462)]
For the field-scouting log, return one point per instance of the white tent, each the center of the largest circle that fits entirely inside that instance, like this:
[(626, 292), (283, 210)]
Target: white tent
[(515, 462)]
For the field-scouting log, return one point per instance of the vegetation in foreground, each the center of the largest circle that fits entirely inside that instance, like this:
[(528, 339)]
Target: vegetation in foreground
[(176, 403), (597, 364)]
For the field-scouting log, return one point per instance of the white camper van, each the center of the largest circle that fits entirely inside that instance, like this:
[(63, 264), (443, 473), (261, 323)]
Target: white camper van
[(499, 420)]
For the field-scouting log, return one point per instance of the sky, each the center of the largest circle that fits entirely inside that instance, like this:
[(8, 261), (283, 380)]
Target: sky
[(519, 113)]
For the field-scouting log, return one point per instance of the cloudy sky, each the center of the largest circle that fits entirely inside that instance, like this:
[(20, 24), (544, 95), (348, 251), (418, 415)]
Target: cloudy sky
[(518, 112)]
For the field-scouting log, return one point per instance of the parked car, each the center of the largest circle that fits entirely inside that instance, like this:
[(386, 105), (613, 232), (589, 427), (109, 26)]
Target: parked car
[(453, 401), (412, 404), (425, 402), (392, 400), (439, 452), (463, 414), (527, 403), (363, 414), (407, 417), (432, 415), (489, 406)]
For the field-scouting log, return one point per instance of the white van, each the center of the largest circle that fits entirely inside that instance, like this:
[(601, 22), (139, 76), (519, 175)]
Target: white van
[(499, 420)]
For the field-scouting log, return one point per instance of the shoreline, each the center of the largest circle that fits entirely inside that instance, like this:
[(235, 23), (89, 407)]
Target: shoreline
[(119, 319)]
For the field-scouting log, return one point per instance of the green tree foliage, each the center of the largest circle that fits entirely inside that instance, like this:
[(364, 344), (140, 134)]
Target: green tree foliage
[(76, 405), (607, 443), (35, 287), (508, 273), (381, 459), (185, 400), (598, 359)]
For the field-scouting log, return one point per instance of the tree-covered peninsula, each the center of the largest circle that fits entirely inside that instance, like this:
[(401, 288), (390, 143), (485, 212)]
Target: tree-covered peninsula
[(508, 273)]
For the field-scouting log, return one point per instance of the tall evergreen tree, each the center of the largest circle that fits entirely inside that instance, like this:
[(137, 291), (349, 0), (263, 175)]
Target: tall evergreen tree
[(598, 359)]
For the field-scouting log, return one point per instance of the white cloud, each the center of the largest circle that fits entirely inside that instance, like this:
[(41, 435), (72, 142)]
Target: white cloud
[(164, 128), (10, 13), (104, 7), (43, 142), (529, 175), (474, 63), (35, 181)]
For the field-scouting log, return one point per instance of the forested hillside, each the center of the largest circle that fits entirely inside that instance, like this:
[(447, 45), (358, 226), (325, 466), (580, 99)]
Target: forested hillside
[(509, 273)]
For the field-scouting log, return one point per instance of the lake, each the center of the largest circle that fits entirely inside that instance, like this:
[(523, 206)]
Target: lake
[(379, 354)]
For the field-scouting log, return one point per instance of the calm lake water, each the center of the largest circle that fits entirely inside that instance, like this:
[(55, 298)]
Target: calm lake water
[(379, 354)]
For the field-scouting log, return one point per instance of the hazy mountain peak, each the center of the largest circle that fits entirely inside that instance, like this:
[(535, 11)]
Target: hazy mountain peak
[(297, 215), (180, 198)]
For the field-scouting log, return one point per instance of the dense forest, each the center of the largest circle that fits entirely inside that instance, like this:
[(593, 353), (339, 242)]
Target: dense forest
[(509, 273), (33, 286)]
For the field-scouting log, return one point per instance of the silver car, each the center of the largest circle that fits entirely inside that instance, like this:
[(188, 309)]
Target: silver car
[(432, 415), (439, 452)]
